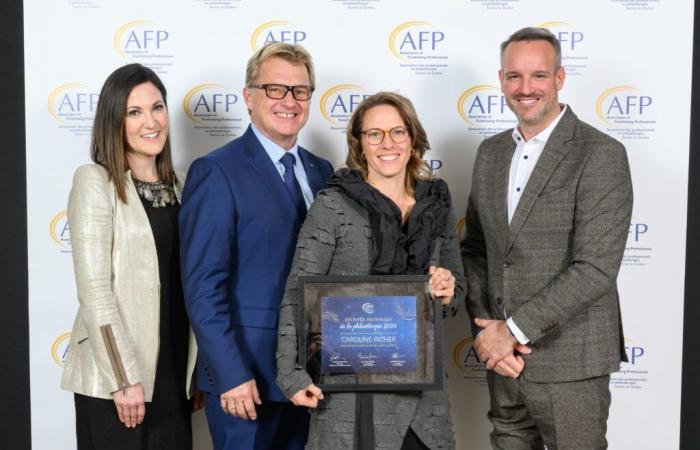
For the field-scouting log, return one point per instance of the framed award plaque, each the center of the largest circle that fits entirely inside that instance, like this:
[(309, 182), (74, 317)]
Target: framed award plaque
[(370, 333)]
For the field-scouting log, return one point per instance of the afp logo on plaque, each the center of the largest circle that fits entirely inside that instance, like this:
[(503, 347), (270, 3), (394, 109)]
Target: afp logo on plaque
[(419, 47), (573, 45), (145, 42), (213, 109), (276, 31), (465, 359), (483, 108), (59, 231), (338, 102), (627, 112), (72, 106), (635, 373)]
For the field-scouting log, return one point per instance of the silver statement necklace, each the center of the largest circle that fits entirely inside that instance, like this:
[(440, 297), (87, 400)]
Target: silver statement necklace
[(158, 193)]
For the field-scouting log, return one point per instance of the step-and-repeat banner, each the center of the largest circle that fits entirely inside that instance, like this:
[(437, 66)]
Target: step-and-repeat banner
[(629, 74)]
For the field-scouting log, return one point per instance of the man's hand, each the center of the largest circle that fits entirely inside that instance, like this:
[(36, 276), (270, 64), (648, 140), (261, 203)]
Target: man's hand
[(513, 364), (309, 396), (495, 343), (241, 400)]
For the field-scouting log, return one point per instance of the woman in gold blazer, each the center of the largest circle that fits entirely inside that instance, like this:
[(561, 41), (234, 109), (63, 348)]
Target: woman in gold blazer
[(132, 353)]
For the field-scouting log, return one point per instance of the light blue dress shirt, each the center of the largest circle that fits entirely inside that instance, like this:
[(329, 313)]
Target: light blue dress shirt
[(275, 152)]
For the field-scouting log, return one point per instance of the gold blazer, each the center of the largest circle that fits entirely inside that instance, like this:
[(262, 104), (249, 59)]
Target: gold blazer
[(115, 339)]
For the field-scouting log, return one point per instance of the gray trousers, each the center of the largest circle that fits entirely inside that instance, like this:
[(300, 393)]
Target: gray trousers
[(563, 416)]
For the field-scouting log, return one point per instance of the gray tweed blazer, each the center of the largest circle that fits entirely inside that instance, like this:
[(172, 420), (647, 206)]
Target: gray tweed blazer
[(336, 239), (554, 267)]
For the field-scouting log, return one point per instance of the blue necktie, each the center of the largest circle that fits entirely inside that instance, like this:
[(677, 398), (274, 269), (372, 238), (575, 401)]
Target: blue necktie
[(289, 161)]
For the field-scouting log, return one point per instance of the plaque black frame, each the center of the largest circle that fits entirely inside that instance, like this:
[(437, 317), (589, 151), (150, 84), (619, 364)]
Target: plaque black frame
[(434, 307)]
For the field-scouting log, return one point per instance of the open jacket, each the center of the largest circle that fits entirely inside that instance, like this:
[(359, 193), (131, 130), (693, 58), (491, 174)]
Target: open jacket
[(336, 239), (115, 337)]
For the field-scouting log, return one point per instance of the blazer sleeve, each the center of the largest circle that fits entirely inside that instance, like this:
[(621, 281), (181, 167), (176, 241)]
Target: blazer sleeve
[(91, 217), (207, 242), (601, 226), (473, 248), (313, 256), (450, 259)]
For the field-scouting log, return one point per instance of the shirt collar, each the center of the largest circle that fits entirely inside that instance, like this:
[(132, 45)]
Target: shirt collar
[(274, 151), (542, 136)]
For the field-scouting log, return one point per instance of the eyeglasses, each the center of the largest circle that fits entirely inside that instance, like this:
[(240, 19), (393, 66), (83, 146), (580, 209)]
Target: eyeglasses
[(279, 91), (376, 136)]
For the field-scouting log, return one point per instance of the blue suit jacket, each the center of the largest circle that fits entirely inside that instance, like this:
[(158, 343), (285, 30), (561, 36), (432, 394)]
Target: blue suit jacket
[(238, 233)]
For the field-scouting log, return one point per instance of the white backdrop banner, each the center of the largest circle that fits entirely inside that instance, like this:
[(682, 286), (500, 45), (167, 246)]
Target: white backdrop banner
[(444, 56)]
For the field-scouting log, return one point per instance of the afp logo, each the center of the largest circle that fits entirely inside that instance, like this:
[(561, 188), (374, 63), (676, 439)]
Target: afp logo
[(59, 349), (635, 352), (483, 107), (638, 232), (415, 39), (338, 103), (569, 38), (481, 103), (60, 231), (141, 38), (466, 360), (72, 103), (624, 105), (209, 102), (276, 31)]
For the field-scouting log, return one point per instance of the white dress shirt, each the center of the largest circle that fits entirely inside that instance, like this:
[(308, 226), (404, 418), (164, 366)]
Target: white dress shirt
[(525, 157)]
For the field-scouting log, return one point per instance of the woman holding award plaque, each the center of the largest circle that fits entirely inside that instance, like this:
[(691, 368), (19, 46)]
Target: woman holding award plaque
[(382, 215)]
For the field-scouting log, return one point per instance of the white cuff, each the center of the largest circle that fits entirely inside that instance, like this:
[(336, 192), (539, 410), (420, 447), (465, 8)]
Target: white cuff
[(517, 332)]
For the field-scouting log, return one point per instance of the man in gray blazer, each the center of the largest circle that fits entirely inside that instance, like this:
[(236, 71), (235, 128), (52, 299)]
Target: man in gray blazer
[(547, 222)]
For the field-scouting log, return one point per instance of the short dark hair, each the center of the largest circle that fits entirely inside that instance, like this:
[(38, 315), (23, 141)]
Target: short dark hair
[(108, 147), (534, 34)]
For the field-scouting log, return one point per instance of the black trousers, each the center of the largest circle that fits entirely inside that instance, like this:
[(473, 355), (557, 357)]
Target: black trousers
[(98, 427)]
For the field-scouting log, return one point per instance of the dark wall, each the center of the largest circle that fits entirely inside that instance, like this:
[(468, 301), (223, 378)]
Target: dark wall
[(690, 392), (14, 376)]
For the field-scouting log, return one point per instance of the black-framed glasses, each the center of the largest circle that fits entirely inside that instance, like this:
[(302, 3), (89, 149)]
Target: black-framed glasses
[(279, 91), (376, 136)]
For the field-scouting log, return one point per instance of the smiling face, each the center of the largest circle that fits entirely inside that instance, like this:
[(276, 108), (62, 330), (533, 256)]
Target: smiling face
[(386, 160), (279, 120), (530, 82), (146, 124)]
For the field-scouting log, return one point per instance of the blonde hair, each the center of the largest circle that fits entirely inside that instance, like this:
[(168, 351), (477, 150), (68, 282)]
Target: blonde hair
[(293, 53)]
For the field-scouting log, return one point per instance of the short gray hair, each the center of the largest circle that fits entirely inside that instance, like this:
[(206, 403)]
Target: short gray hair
[(534, 34)]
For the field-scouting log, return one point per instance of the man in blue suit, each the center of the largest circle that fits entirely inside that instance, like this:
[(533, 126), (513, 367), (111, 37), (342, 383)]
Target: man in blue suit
[(242, 208)]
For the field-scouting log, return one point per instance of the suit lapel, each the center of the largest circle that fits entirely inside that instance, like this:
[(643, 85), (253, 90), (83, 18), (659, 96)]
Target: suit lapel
[(313, 173), (501, 176), (268, 174), (556, 148)]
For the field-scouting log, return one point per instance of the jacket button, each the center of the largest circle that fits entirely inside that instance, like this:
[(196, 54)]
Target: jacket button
[(499, 300), (506, 264)]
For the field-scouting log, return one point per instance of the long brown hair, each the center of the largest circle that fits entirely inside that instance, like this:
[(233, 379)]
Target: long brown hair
[(108, 146), (416, 169)]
